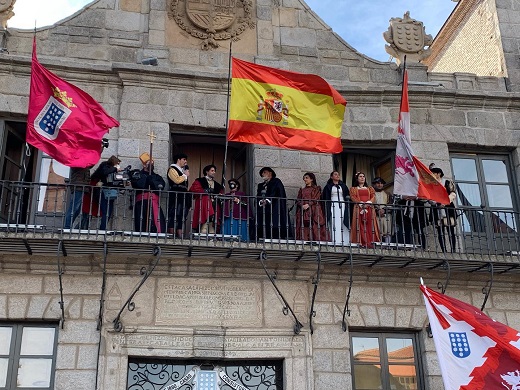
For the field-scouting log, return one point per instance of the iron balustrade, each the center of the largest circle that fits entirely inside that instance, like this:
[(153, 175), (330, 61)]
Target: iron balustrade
[(250, 221)]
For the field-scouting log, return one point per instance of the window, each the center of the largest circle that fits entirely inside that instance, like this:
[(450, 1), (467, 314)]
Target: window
[(27, 356), (387, 361), (485, 192), (155, 374)]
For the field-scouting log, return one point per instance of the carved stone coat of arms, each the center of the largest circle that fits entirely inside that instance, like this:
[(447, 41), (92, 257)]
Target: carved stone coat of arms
[(6, 12), (407, 36), (212, 20)]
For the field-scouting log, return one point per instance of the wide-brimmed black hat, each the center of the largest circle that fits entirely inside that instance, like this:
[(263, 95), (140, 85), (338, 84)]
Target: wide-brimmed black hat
[(269, 169), (378, 180), (437, 170)]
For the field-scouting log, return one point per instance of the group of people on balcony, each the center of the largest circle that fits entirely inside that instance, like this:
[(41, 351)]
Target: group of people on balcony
[(362, 214)]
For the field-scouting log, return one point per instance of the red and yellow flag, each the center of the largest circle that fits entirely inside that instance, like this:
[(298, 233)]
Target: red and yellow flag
[(284, 109)]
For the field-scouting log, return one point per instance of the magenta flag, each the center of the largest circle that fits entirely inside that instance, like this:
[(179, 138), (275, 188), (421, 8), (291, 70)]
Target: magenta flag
[(475, 352), (64, 121)]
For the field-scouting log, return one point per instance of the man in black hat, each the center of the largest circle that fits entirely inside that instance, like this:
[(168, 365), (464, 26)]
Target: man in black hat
[(383, 218), (271, 214)]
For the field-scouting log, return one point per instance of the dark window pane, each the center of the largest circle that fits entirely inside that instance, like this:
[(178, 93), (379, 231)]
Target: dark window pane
[(34, 372), (495, 171), (468, 195), (400, 351), (403, 377), (499, 196), (3, 371), (37, 341), (366, 349), (5, 340), (464, 169), (367, 377)]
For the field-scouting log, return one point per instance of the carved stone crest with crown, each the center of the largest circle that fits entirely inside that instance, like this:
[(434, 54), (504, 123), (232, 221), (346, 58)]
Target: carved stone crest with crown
[(6, 12), (212, 20), (407, 37)]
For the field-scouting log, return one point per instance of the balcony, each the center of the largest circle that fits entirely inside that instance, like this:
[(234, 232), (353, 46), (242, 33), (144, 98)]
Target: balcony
[(32, 220)]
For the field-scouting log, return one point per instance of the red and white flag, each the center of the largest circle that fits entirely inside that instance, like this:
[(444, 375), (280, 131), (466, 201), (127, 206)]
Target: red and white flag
[(64, 121), (412, 177), (474, 351)]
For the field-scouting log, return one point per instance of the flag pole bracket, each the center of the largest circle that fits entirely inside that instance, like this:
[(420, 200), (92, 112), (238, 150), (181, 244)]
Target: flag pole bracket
[(315, 282), (61, 251), (103, 288), (447, 267), (486, 290), (130, 304), (346, 310), (287, 308)]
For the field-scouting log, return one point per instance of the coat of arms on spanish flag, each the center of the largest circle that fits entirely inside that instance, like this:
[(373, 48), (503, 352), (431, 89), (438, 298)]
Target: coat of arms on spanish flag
[(284, 109)]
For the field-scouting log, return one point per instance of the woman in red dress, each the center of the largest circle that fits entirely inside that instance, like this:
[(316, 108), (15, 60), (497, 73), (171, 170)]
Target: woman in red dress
[(310, 220), (364, 228)]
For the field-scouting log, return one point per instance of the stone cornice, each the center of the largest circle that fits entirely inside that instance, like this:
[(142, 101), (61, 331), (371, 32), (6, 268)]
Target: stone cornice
[(461, 12), (123, 74)]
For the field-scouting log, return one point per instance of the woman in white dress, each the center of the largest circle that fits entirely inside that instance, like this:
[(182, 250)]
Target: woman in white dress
[(335, 194)]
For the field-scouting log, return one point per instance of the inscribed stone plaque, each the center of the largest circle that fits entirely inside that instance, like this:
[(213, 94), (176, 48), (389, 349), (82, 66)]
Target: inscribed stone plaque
[(208, 302)]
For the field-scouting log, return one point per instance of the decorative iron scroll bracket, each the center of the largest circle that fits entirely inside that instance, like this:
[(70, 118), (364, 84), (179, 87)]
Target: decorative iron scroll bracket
[(60, 273), (346, 310), (145, 272), (315, 281), (286, 309), (447, 267), (103, 288), (486, 290)]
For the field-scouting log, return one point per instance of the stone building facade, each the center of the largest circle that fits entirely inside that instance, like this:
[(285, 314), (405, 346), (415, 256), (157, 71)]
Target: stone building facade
[(209, 303)]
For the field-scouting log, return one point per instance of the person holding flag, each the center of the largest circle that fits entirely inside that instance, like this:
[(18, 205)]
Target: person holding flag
[(412, 178)]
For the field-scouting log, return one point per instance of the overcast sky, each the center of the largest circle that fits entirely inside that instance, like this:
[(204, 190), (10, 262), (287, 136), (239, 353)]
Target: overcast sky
[(361, 23)]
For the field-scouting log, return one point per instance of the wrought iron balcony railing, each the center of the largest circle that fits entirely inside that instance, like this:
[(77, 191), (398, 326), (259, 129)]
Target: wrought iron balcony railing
[(70, 212)]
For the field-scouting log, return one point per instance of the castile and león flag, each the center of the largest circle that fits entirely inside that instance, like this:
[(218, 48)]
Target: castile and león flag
[(63, 121), (475, 352), (412, 178)]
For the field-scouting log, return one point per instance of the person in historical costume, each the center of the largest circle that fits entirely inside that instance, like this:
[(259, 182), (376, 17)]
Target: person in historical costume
[(79, 182), (310, 220), (336, 197), (364, 229), (410, 219), (445, 217), (179, 202), (237, 212), (109, 193), (383, 213), (271, 213), (148, 216), (205, 218)]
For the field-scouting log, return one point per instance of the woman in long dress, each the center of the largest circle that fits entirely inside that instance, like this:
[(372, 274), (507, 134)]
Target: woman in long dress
[(335, 195), (310, 221), (364, 228), (237, 213)]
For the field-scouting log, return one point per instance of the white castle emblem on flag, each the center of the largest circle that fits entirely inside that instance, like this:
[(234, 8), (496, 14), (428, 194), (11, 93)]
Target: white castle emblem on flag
[(512, 379), (50, 118)]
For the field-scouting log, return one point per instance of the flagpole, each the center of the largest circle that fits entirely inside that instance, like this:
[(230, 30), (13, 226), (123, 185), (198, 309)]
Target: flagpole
[(227, 116)]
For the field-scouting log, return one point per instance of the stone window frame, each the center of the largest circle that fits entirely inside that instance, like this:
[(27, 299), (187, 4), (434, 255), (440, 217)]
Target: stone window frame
[(382, 336), (208, 343), (14, 355)]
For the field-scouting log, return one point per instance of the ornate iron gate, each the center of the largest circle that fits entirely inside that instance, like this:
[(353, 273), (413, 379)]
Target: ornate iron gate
[(155, 374)]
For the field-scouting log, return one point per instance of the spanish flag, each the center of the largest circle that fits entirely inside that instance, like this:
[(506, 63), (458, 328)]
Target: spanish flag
[(284, 109)]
